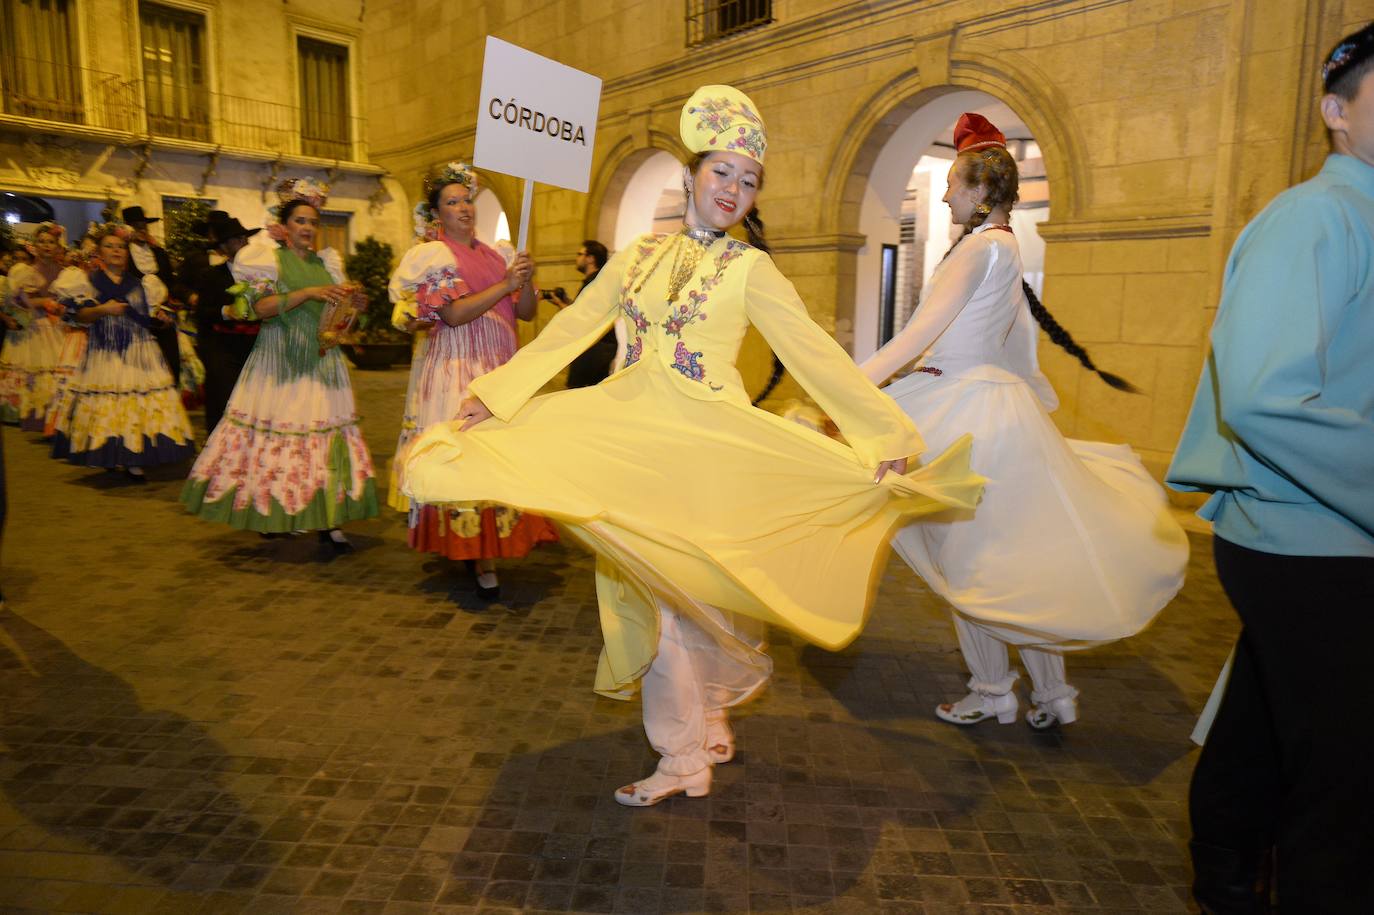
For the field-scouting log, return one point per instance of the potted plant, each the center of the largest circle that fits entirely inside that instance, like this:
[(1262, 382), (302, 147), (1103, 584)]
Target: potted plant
[(375, 344)]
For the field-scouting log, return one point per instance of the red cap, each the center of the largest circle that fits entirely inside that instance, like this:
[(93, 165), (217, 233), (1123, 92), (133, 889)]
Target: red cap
[(973, 131)]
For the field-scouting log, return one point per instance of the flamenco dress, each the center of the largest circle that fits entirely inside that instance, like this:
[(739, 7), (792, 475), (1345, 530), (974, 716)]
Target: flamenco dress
[(28, 359), (120, 408), (288, 454), (445, 362), (719, 514)]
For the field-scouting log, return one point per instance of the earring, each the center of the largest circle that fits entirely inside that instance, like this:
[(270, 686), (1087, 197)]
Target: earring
[(982, 209)]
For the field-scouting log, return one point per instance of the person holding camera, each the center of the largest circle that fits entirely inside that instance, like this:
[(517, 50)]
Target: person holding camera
[(594, 365)]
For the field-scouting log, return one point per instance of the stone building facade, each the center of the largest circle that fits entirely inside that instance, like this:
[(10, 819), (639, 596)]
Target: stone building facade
[(1164, 126), (150, 102), (1159, 126)]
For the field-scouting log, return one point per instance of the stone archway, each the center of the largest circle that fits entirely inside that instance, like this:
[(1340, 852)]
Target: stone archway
[(1002, 75), (492, 223), (905, 223), (640, 193)]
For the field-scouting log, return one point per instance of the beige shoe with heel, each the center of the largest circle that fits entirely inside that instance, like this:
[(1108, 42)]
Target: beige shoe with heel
[(659, 787)]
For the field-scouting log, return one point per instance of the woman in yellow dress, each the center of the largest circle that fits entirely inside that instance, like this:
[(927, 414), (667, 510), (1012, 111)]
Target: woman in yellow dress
[(708, 517)]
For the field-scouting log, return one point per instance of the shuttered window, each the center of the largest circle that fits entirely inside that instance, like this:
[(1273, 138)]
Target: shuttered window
[(175, 80), (39, 71), (324, 99)]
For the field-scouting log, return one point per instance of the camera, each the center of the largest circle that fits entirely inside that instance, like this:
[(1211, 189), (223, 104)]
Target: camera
[(554, 294)]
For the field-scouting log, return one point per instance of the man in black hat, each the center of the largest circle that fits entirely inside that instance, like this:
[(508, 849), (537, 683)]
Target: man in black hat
[(150, 257), (223, 344)]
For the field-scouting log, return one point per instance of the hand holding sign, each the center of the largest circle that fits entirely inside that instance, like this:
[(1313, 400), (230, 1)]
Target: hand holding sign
[(536, 120)]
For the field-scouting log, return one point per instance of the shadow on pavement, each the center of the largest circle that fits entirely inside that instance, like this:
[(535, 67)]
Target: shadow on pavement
[(804, 815), (84, 760)]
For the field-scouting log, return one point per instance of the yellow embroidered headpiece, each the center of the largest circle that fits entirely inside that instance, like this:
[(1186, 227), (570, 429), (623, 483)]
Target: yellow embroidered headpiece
[(722, 118)]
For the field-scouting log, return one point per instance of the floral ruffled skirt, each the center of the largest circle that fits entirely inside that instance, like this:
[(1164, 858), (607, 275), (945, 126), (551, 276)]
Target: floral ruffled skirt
[(288, 454), (122, 409), (28, 380)]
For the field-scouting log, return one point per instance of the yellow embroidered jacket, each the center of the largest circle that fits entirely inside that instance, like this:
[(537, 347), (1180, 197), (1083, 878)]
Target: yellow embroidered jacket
[(697, 339)]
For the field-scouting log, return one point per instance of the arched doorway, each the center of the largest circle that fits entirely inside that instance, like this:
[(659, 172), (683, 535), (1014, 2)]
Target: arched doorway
[(492, 225), (651, 199), (906, 224), (644, 194)]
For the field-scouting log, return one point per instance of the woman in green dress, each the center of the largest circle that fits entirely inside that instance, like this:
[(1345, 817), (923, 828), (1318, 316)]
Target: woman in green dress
[(288, 454)]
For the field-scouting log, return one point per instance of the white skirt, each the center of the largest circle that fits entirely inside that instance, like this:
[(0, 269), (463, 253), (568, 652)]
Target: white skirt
[(1073, 543)]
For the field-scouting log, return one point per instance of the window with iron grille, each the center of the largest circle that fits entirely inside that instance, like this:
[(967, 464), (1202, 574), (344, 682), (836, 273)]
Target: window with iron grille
[(324, 99), (175, 81), (708, 20), (39, 68)]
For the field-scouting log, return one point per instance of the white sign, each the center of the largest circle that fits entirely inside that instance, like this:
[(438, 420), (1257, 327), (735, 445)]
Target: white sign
[(536, 118)]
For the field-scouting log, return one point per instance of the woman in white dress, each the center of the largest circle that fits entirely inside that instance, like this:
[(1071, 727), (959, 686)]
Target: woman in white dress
[(121, 408), (28, 360), (1073, 544)]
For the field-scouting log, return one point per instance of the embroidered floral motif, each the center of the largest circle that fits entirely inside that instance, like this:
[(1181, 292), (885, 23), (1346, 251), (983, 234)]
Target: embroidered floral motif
[(636, 316), (688, 362), (634, 351), (642, 253), (684, 314), (721, 115)]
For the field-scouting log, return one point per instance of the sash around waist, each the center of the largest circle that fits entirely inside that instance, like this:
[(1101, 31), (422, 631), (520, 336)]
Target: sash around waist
[(933, 368)]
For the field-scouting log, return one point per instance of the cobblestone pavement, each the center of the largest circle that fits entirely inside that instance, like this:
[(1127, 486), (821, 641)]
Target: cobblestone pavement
[(194, 719)]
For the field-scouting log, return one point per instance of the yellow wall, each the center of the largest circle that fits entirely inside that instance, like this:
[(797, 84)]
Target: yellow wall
[(1165, 124)]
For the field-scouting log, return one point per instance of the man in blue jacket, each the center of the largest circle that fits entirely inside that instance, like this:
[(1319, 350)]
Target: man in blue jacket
[(1281, 434)]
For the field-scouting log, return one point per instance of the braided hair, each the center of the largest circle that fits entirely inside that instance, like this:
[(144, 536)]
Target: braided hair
[(753, 228), (994, 169), (1064, 340)]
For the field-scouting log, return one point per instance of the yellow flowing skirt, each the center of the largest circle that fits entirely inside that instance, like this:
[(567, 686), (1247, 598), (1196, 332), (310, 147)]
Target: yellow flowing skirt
[(707, 505)]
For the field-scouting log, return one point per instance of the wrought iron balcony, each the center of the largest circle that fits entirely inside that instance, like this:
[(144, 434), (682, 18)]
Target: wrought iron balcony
[(38, 91)]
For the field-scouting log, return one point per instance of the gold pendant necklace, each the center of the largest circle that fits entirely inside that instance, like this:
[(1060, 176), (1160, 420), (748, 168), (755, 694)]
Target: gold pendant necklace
[(683, 272), (683, 267)]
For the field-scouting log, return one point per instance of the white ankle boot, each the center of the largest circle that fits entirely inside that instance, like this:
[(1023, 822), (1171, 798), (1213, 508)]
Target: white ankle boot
[(976, 707), (1064, 711), (658, 787)]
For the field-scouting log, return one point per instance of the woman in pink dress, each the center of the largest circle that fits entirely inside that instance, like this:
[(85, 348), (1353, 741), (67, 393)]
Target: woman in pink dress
[(464, 300)]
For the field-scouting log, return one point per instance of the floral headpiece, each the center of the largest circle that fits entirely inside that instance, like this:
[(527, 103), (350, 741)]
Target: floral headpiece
[(54, 229), (312, 192), (1352, 51), (426, 225), (97, 231), (452, 173), (722, 118)]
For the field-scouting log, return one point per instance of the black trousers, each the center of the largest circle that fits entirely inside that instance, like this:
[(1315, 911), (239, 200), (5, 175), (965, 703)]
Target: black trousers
[(223, 356), (1289, 761), (594, 364), (166, 338)]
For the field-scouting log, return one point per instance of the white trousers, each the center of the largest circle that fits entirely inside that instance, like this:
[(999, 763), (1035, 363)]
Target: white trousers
[(987, 660), (677, 700)]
